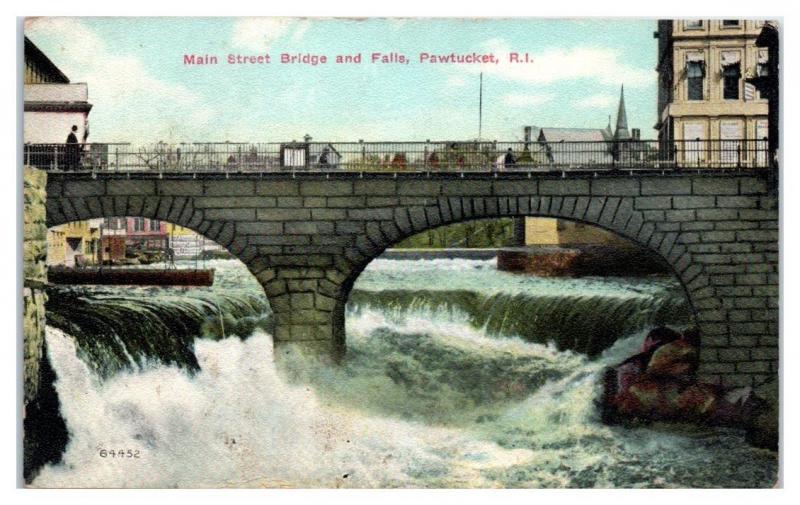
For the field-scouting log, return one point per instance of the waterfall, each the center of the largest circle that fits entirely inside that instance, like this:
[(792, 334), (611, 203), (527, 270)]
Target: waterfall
[(456, 375), (586, 324)]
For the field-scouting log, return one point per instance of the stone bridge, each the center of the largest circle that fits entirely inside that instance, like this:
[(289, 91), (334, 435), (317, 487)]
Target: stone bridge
[(307, 237)]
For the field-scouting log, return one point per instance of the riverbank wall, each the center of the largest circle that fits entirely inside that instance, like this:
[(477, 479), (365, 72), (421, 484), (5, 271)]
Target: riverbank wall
[(45, 433), (34, 271)]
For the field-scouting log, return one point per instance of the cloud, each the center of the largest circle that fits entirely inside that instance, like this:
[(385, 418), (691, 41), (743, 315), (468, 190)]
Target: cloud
[(130, 102), (300, 29), (525, 100), (456, 81), (601, 64), (595, 101), (258, 34)]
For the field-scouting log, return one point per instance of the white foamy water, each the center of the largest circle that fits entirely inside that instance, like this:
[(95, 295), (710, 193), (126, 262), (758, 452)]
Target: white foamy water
[(236, 423), (482, 275), (423, 399)]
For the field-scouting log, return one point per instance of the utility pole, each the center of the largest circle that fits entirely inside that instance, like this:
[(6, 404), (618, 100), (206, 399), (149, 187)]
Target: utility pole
[(480, 107)]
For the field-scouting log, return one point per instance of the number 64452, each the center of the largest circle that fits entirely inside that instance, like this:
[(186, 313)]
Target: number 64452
[(119, 453)]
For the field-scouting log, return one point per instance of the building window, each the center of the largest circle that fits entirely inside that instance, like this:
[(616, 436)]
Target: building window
[(693, 146), (693, 24), (730, 146), (730, 22), (138, 224), (114, 223), (730, 81), (694, 79), (762, 68), (155, 225)]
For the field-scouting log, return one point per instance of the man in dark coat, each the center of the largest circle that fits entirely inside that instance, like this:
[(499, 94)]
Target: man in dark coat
[(323, 158), (510, 160), (73, 149)]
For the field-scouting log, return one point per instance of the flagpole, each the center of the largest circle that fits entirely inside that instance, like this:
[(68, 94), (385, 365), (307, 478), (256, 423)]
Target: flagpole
[(480, 107)]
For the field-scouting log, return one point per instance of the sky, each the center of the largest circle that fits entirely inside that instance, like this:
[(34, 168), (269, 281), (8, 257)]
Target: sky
[(142, 91)]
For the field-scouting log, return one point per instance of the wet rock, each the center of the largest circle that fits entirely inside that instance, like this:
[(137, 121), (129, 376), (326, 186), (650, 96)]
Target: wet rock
[(629, 371), (658, 337), (45, 431), (763, 423), (659, 384), (697, 402), (677, 360), (640, 399)]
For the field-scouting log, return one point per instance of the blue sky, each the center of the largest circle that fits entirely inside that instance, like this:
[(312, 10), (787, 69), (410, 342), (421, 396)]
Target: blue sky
[(142, 91)]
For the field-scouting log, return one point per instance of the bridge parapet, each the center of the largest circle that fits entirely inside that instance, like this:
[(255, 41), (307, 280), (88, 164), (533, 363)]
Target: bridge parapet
[(308, 237), (428, 156)]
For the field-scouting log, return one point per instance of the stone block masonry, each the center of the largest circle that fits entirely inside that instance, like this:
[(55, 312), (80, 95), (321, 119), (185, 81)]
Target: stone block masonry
[(45, 433), (34, 273), (308, 237)]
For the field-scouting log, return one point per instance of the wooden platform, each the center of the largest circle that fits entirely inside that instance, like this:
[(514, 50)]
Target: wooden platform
[(130, 276), (580, 260)]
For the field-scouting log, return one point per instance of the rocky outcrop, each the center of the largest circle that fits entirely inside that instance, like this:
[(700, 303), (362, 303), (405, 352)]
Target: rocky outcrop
[(660, 384)]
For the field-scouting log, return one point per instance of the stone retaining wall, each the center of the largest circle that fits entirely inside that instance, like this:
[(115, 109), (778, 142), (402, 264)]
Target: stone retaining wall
[(34, 272)]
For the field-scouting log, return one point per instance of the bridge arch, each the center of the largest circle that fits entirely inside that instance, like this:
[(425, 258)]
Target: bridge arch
[(119, 326), (617, 216), (178, 210)]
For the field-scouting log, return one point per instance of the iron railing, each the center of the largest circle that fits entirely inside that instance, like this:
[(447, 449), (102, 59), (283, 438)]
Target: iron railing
[(443, 156)]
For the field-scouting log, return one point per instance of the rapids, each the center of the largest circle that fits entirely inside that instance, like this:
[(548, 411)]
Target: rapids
[(456, 375)]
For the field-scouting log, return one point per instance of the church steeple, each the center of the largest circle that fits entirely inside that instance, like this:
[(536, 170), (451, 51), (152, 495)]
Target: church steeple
[(622, 133)]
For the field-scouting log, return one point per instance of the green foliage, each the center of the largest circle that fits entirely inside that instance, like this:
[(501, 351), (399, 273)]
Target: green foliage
[(471, 234)]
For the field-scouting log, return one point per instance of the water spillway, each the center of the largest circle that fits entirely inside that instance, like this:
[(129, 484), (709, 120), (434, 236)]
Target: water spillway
[(456, 375), (121, 327), (586, 324), (585, 315)]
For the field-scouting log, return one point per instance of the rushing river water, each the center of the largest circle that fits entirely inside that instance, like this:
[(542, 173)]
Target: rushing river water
[(456, 375)]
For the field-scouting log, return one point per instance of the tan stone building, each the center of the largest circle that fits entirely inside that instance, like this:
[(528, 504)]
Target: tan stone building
[(707, 113), (559, 232), (74, 243)]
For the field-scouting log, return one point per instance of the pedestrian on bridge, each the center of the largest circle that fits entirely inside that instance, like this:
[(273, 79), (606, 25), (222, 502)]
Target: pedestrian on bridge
[(73, 150), (510, 160), (323, 158)]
